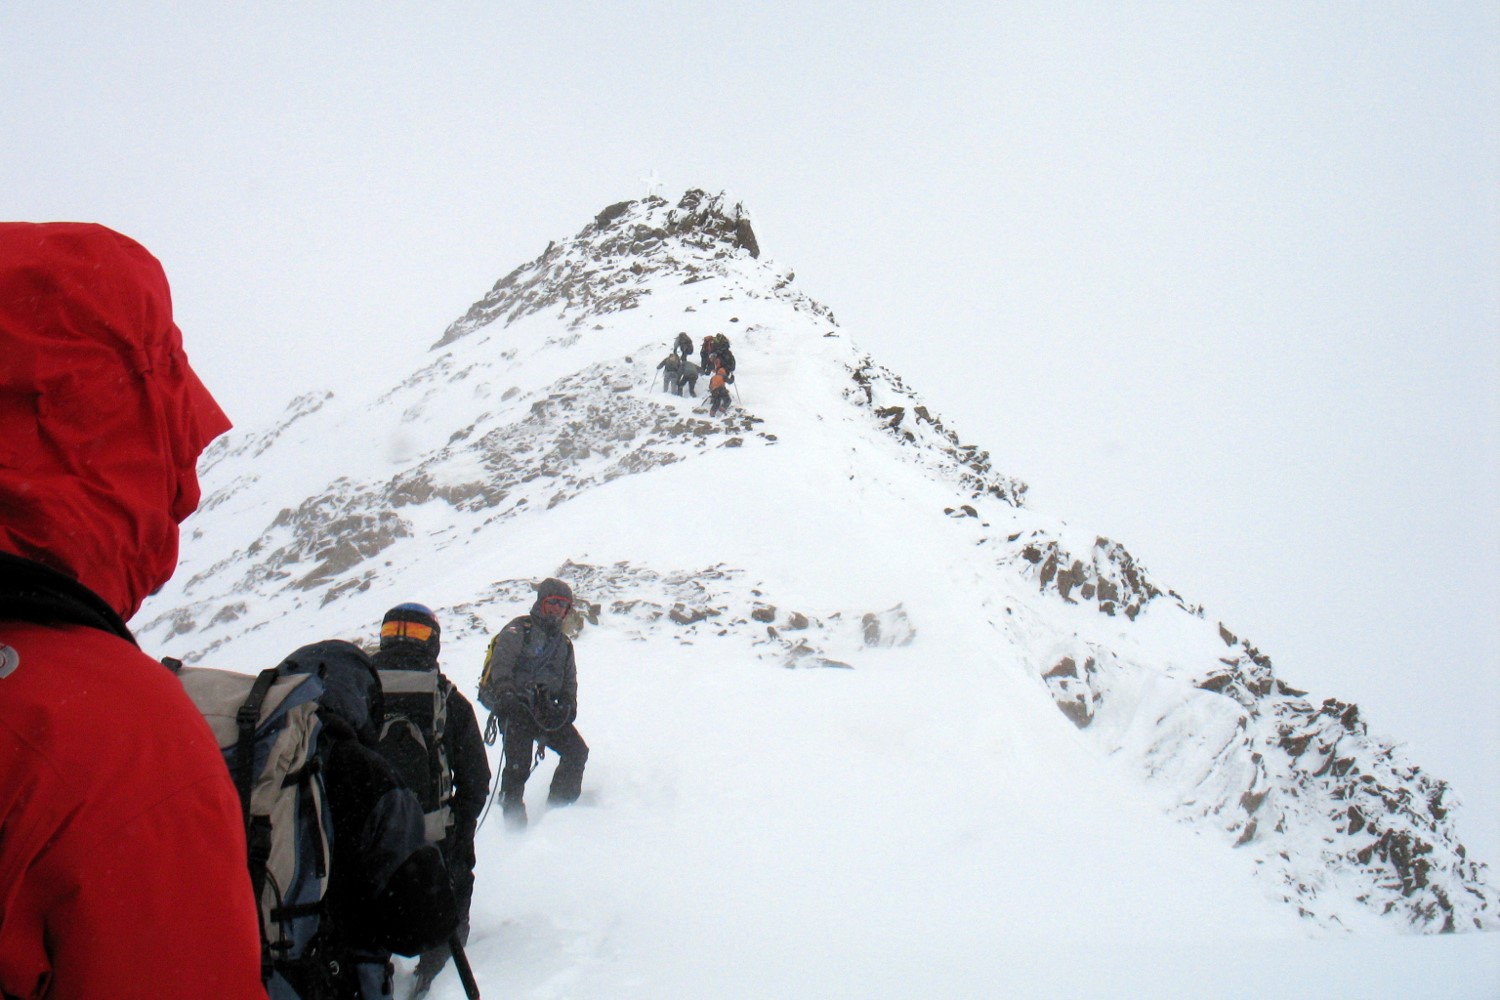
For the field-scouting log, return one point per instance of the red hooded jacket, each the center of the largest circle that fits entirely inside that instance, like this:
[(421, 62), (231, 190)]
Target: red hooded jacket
[(122, 854)]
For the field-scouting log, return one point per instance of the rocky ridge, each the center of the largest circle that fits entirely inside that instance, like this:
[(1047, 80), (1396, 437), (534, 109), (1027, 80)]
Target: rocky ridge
[(1327, 809), (613, 263)]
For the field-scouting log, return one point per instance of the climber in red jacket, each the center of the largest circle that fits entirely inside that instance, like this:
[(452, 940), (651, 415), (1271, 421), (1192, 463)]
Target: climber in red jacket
[(122, 848)]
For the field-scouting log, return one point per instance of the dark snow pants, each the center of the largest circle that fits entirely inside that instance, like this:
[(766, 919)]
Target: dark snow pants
[(458, 858), (572, 752)]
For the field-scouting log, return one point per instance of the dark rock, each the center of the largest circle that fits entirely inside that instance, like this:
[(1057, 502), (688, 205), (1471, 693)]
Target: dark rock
[(604, 218), (1216, 682), (1066, 667)]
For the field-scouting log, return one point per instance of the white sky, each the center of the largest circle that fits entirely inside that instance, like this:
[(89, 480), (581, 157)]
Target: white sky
[(1219, 281)]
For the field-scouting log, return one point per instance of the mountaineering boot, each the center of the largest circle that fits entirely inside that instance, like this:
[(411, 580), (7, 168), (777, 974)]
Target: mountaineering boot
[(428, 966), (432, 961), (512, 788), (567, 780)]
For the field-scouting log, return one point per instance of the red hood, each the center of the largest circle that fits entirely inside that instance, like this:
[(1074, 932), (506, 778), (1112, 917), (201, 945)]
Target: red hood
[(101, 418)]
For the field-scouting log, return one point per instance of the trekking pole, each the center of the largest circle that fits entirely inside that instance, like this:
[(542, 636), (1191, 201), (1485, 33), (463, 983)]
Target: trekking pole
[(461, 963), (737, 399)]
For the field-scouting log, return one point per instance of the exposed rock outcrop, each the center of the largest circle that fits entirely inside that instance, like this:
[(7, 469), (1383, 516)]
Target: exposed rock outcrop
[(1326, 808), (613, 262)]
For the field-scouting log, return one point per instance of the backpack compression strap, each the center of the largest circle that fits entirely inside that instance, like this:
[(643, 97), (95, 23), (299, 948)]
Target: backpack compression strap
[(246, 720), (257, 831), (32, 592)]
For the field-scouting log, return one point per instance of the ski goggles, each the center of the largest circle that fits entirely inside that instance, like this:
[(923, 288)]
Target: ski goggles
[(406, 630), (556, 605)]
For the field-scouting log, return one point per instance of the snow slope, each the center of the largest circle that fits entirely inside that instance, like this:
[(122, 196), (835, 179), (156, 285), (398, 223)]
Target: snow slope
[(1005, 762)]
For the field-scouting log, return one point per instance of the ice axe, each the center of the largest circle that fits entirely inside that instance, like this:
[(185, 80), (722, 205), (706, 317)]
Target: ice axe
[(461, 963)]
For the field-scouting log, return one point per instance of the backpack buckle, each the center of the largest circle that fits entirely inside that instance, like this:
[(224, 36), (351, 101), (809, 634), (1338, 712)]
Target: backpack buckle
[(247, 716)]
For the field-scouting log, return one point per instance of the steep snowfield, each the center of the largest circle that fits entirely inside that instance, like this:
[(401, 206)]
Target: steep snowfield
[(765, 833), (754, 832), (905, 812)]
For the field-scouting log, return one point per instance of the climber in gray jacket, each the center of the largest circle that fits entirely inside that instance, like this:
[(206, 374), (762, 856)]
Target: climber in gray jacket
[(687, 378), (530, 686), (671, 367)]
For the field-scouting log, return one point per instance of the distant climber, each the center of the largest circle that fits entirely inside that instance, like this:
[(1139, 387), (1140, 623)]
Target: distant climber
[(687, 378), (722, 356), (716, 355), (530, 685), (678, 373), (670, 368), (718, 393), (683, 348)]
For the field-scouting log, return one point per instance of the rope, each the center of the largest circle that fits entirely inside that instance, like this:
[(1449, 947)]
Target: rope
[(492, 730), (489, 798)]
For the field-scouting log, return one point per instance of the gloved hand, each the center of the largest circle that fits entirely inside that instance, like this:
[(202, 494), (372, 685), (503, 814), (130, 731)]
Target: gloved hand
[(463, 842), (555, 711), (512, 705)]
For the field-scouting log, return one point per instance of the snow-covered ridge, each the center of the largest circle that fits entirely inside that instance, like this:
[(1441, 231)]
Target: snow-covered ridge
[(935, 446), (806, 529), (1328, 810)]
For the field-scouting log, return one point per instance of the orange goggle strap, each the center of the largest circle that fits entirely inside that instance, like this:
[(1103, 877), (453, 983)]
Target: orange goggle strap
[(406, 630)]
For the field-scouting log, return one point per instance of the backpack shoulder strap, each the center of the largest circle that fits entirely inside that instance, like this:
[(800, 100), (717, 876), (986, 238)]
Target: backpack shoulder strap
[(246, 719)]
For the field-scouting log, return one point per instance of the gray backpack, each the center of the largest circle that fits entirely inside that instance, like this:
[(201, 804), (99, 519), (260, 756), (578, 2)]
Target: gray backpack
[(268, 729), (411, 740)]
